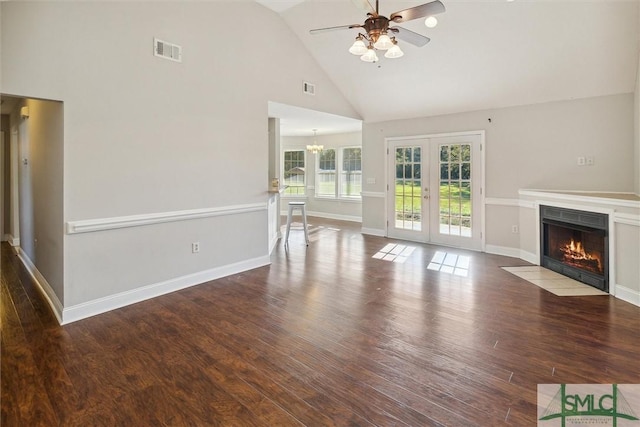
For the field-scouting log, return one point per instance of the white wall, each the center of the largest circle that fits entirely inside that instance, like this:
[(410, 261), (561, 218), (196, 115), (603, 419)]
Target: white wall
[(144, 135), (331, 208), (40, 169), (636, 121), (532, 146)]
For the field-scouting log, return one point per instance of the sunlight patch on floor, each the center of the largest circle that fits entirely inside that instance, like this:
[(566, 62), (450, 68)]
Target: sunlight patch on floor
[(394, 253), (445, 262)]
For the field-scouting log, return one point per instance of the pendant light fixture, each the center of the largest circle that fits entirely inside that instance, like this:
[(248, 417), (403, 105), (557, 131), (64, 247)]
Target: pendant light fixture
[(315, 148)]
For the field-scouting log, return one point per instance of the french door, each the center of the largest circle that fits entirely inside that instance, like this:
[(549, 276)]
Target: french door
[(435, 190)]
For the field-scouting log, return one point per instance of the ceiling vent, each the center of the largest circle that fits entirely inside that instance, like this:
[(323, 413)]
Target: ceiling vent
[(308, 88), (165, 50)]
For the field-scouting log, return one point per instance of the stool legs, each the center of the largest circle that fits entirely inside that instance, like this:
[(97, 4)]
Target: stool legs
[(304, 222), (303, 212), (289, 214)]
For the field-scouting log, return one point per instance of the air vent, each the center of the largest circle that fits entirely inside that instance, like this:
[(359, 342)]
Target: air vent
[(165, 50), (308, 88)]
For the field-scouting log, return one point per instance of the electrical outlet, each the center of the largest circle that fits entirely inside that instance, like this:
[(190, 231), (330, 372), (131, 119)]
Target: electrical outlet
[(514, 228), (590, 161), (581, 161), (195, 247)]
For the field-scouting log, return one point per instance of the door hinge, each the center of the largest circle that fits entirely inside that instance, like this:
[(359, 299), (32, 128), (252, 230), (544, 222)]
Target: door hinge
[(480, 190), (480, 147), (387, 187), (387, 151)]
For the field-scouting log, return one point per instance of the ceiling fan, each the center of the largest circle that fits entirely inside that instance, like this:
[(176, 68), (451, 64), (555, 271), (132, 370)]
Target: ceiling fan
[(380, 36)]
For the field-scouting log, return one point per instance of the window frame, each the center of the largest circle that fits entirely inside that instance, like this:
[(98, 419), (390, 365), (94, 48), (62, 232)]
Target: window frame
[(305, 166), (339, 159)]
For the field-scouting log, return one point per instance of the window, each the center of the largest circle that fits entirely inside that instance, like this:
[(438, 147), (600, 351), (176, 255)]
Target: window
[(351, 182), (326, 173), (339, 173), (293, 166)]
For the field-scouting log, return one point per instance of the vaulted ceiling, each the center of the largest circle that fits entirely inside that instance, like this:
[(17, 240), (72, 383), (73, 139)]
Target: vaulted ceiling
[(482, 54)]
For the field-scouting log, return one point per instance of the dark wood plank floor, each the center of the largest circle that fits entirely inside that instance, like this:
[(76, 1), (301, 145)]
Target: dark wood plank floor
[(326, 335)]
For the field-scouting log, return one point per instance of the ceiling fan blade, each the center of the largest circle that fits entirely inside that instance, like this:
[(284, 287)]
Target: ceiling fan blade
[(364, 5), (410, 37), (427, 9), (339, 27)]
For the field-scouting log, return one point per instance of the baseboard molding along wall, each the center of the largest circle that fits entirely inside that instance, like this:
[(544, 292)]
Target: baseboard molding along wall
[(45, 288), (373, 231), (112, 302), (13, 241), (102, 305), (339, 217), (628, 295), (513, 253)]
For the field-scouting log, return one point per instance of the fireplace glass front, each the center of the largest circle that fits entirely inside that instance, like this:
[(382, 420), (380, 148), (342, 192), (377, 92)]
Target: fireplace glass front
[(574, 243)]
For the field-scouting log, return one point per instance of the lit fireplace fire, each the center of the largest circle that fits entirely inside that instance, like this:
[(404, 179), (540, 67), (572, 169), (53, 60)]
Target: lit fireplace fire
[(574, 254)]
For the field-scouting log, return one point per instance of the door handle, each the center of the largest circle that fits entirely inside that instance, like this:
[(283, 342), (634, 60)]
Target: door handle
[(426, 193)]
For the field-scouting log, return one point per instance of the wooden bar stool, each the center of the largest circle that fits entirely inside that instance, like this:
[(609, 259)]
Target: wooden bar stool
[(303, 211)]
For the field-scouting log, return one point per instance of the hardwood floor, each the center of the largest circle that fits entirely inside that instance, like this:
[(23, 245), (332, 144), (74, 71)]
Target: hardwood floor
[(326, 335)]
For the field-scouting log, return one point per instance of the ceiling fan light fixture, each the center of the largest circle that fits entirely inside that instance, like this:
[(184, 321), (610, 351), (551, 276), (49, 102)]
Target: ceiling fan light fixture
[(370, 56), (431, 22), (358, 47), (394, 52), (384, 42), (375, 34)]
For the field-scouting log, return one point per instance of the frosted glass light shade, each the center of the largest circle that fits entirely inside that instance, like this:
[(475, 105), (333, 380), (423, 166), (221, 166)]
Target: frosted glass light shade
[(383, 42), (358, 48), (370, 56), (315, 148), (431, 22), (394, 52)]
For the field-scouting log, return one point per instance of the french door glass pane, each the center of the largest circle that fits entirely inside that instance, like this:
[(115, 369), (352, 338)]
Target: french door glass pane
[(455, 190), (408, 200)]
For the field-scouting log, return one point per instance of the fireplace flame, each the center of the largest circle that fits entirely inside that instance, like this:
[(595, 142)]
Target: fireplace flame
[(573, 251)]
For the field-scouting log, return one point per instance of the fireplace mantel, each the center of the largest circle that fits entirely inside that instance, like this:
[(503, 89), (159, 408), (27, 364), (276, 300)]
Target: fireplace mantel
[(630, 200), (623, 210)]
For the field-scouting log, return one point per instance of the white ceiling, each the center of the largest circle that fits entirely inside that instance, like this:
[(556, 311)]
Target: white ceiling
[(482, 55), (279, 5), (296, 121)]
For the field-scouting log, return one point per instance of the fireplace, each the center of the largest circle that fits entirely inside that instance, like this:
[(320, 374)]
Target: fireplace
[(575, 244)]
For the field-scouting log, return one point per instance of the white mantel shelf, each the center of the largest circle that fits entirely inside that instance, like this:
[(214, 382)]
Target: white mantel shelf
[(628, 200)]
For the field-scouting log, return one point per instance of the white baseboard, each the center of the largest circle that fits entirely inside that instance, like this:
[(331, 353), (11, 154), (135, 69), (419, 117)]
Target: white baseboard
[(373, 231), (273, 242), (13, 241), (42, 284), (628, 295), (351, 218), (112, 302), (512, 252)]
